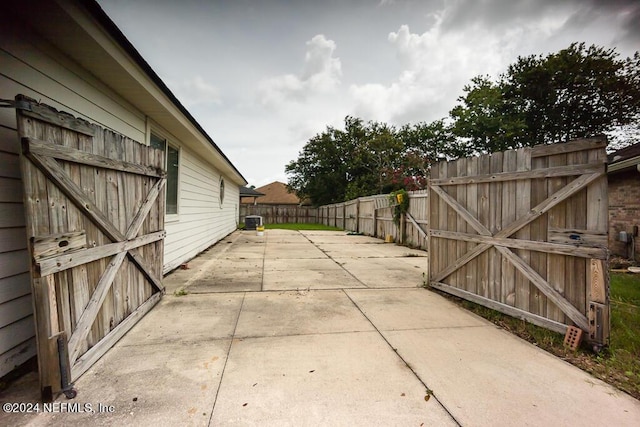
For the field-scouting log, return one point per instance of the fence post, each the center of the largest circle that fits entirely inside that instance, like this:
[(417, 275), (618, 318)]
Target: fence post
[(358, 215), (375, 221), (344, 215)]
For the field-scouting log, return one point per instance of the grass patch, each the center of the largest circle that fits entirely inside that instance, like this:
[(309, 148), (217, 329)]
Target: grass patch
[(301, 226), (618, 364)]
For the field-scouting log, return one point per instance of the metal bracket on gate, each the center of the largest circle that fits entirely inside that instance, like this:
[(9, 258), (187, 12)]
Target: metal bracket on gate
[(65, 373), (598, 324)]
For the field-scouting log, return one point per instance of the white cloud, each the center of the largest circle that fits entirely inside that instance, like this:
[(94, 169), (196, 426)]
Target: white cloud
[(436, 65), (196, 91), (321, 73)]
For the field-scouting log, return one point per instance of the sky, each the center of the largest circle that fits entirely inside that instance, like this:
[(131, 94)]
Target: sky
[(262, 77)]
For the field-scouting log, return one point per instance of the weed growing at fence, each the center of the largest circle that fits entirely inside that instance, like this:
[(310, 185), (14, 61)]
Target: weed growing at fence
[(618, 364), (179, 292)]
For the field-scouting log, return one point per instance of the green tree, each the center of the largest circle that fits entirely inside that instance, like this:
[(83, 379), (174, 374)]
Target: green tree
[(484, 120), (576, 92), (363, 159), (321, 171), (425, 144), (373, 160)]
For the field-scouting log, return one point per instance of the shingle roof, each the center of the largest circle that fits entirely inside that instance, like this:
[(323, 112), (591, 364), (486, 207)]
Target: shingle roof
[(249, 192), (624, 154), (624, 159)]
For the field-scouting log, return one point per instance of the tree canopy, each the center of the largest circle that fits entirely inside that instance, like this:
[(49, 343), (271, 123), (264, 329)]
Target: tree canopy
[(574, 93), (577, 92)]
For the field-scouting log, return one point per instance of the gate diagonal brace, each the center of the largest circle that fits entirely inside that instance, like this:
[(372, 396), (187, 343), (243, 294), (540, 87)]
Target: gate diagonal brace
[(54, 171), (543, 207)]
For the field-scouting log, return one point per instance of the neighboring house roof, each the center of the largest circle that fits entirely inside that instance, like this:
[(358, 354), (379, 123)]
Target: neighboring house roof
[(277, 193), (624, 158), (249, 192), (86, 34)]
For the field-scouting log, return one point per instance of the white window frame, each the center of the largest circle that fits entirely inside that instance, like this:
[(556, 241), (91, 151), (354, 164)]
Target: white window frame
[(221, 191), (170, 217)]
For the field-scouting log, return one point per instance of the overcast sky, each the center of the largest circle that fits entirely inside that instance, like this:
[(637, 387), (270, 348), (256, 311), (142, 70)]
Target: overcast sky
[(264, 76)]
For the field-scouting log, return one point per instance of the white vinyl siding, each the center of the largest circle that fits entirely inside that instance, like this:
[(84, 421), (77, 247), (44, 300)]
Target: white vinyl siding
[(34, 68), (202, 222)]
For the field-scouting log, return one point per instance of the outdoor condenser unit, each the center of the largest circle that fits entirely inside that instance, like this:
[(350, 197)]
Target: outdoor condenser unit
[(252, 221)]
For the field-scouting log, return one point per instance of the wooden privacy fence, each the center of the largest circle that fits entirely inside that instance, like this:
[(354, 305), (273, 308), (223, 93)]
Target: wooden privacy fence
[(94, 206), (525, 232), (373, 216), (280, 214)]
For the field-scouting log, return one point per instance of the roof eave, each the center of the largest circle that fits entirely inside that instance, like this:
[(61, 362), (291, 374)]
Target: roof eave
[(624, 164)]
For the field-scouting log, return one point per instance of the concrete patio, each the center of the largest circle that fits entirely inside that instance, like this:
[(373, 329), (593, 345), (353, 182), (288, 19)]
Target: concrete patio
[(322, 328)]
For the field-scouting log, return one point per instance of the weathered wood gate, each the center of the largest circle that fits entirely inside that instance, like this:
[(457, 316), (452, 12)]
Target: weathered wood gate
[(94, 210), (525, 232)]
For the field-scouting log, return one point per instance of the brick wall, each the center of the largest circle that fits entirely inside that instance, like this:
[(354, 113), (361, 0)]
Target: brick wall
[(624, 209)]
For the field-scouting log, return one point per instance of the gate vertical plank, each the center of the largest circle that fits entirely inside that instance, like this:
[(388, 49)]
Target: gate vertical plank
[(434, 210), (142, 188), (452, 218), (144, 155), (133, 152), (484, 167), (509, 203), (57, 203), (113, 207), (556, 218), (537, 300), (37, 224), (576, 218), (472, 207), (100, 184), (116, 205), (597, 214), (134, 200), (87, 182), (523, 194), (461, 247), (442, 216), (78, 275), (148, 156), (159, 246), (128, 196), (495, 225)]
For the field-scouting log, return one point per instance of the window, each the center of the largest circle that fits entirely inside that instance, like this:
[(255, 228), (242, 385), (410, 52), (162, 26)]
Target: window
[(172, 180), (221, 191), (172, 155)]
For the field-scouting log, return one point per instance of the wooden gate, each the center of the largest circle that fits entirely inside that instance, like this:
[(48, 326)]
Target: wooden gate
[(94, 210), (525, 232)]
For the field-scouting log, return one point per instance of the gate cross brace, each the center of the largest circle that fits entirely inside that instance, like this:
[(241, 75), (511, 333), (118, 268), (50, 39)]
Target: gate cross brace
[(543, 207), (54, 171)]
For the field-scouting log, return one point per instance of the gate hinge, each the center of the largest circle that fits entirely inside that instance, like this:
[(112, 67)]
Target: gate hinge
[(21, 104)]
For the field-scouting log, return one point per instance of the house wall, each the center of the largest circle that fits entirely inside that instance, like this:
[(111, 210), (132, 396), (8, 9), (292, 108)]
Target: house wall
[(624, 209), (201, 220), (31, 66)]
